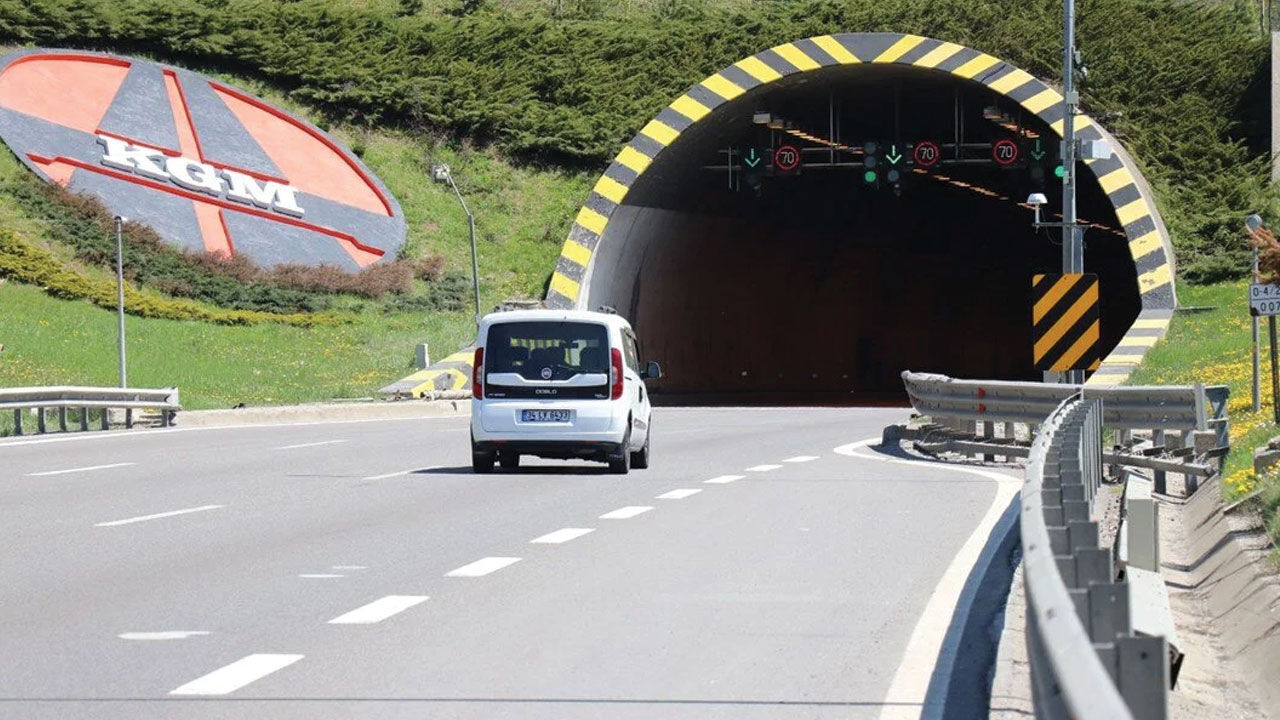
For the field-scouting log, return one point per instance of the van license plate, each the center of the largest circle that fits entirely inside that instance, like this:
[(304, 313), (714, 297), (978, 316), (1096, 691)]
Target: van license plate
[(555, 416)]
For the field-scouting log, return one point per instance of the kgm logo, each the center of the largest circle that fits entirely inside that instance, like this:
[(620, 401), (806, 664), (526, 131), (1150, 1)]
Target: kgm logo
[(207, 165)]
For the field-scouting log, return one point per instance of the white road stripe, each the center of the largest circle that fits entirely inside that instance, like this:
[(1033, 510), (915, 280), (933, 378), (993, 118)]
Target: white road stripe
[(319, 576), (484, 566), (905, 697), (236, 675), (350, 567), (47, 473), (162, 635), (763, 468), (402, 473), (679, 494), (379, 610), (626, 512), (723, 479), (801, 458), (157, 516), (562, 535), (307, 445)]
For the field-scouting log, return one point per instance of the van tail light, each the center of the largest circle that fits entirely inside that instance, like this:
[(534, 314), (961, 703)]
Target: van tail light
[(615, 375), (477, 372)]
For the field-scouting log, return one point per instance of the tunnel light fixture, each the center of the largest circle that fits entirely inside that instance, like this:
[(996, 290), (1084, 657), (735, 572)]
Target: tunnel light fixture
[(762, 118), (993, 112)]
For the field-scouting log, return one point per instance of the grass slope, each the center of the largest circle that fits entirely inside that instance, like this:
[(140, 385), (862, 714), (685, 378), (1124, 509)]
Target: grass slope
[(1214, 348)]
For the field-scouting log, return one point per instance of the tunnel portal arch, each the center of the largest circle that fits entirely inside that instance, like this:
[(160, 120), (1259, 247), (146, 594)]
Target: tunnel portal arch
[(1127, 192)]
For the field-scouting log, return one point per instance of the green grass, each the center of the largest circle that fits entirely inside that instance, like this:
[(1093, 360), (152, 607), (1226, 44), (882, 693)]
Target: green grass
[(55, 342), (1214, 348)]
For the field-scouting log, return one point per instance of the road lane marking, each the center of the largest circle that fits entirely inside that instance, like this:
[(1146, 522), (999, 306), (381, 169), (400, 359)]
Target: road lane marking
[(801, 458), (379, 610), (350, 567), (482, 567), (679, 494), (319, 576), (763, 468), (308, 445), (562, 535), (626, 513), (162, 635), (47, 473), (401, 473), (723, 479), (910, 685), (232, 677), (157, 516)]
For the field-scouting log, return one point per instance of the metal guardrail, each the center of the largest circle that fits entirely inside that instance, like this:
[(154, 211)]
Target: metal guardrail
[(1087, 661), (84, 399)]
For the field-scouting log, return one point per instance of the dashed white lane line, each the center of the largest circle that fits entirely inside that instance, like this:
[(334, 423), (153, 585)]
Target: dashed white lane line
[(625, 513), (379, 610), (801, 458), (723, 479), (162, 635), (562, 535), (679, 494), (483, 566), (401, 473), (47, 473), (319, 576), (308, 445), (157, 516), (763, 468), (905, 697), (232, 677)]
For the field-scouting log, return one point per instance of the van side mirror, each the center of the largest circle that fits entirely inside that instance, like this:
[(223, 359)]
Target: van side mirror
[(652, 372)]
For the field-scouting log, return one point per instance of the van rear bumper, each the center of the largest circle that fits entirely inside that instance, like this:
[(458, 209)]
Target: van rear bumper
[(559, 449)]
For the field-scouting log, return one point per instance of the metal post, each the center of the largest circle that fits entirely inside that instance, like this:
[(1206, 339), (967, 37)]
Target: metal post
[(475, 264), (1072, 246), (1257, 351), (120, 294), (17, 421), (84, 419), (62, 418), (1275, 380)]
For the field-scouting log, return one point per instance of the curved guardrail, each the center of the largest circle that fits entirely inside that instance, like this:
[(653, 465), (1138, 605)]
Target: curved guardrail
[(1087, 662)]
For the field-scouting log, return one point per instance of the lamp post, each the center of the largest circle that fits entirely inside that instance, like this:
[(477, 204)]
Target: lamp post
[(1253, 224), (442, 173), (120, 296)]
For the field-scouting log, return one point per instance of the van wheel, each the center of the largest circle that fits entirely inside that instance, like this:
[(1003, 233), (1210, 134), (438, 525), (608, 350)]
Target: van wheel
[(640, 458), (620, 463), (481, 461), (509, 460)]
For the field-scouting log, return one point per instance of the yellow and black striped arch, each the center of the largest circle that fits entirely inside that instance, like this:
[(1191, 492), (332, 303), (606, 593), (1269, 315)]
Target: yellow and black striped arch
[(1133, 202)]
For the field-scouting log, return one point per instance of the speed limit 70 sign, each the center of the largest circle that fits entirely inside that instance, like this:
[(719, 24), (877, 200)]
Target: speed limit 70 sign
[(1004, 152)]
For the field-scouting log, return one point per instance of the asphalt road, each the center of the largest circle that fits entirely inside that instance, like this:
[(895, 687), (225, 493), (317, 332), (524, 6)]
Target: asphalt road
[(360, 570)]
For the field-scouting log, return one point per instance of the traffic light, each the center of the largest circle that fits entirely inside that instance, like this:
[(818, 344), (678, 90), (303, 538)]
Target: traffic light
[(870, 163)]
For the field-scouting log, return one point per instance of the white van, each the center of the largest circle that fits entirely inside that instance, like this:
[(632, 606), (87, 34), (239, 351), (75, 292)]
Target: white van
[(559, 384)]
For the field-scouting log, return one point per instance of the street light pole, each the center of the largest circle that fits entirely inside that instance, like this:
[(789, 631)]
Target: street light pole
[(1072, 242), (442, 173), (120, 295)]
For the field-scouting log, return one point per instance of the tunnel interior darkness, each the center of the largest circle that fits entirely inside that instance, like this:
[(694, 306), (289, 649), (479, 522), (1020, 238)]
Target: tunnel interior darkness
[(752, 285)]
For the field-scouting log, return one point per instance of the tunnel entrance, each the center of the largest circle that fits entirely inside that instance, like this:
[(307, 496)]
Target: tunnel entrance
[(901, 240)]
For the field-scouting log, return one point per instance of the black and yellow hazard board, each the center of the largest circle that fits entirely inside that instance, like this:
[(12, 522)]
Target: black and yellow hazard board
[(1066, 322)]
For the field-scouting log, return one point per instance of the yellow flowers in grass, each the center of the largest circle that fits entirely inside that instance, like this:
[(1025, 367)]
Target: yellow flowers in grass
[(1241, 482)]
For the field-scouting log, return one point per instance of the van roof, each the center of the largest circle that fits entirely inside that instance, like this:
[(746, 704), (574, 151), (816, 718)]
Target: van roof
[(610, 319)]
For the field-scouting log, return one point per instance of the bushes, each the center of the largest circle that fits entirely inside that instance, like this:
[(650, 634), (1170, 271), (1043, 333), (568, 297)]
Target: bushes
[(1188, 78), (26, 263)]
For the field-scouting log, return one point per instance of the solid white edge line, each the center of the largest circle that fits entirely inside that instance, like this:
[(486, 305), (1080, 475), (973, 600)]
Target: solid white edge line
[(309, 445), (482, 567), (563, 535), (626, 513), (801, 459), (906, 695), (104, 434), (229, 678), (379, 610), (157, 516), (162, 635), (680, 494), (47, 473), (723, 479), (763, 468)]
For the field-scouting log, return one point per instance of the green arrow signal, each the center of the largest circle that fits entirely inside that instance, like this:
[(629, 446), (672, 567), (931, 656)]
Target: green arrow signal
[(893, 157), (1037, 153), (751, 160)]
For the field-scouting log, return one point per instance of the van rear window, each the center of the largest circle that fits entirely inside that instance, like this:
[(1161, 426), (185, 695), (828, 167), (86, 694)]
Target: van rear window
[(541, 351)]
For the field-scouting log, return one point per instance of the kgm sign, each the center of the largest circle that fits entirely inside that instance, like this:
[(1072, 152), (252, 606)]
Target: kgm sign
[(208, 166)]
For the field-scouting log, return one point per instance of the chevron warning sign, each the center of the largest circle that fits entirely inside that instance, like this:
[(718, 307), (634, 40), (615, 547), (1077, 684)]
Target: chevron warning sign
[(1066, 322)]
